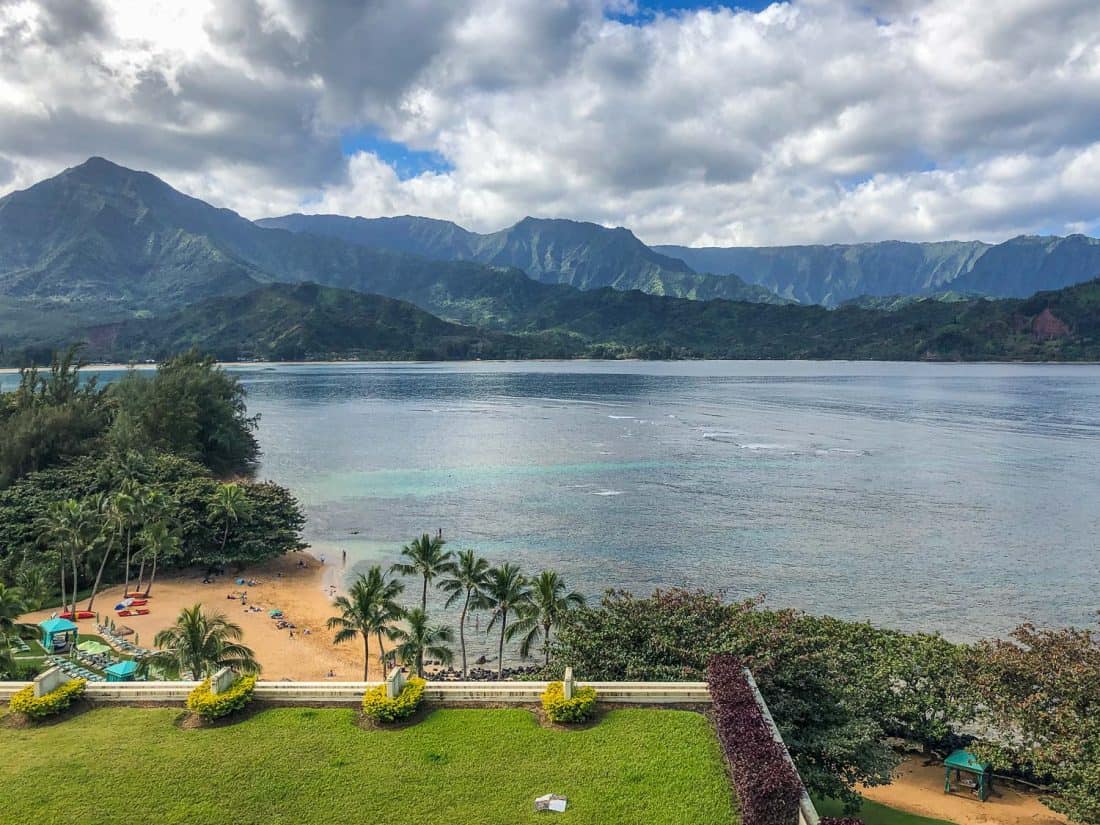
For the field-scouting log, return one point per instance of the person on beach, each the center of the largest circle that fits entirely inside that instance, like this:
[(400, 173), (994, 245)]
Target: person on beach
[(345, 552)]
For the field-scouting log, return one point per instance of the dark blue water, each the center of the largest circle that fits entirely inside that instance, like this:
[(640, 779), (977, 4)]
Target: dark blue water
[(958, 498)]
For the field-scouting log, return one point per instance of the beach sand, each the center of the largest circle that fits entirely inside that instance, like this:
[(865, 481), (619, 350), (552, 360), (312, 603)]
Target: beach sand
[(918, 789), (302, 594)]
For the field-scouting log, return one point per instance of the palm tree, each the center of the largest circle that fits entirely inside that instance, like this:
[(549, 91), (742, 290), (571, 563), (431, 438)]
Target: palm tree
[(506, 590), (161, 543), (549, 604), (202, 644), (110, 528), (153, 506), (127, 512), (12, 607), (369, 608), (422, 638), (426, 558), (32, 582), (231, 505), (466, 581), (69, 525)]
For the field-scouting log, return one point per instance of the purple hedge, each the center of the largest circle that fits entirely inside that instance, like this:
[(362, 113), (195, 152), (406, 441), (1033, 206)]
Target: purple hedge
[(768, 787)]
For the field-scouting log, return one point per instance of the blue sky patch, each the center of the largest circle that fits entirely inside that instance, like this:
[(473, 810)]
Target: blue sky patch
[(406, 162), (648, 8)]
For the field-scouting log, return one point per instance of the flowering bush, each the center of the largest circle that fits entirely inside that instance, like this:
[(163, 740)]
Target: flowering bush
[(216, 705), (381, 708), (768, 787), (559, 709), (39, 707)]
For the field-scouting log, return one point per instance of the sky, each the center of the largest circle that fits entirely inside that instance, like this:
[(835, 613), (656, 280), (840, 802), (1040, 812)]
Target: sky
[(810, 121)]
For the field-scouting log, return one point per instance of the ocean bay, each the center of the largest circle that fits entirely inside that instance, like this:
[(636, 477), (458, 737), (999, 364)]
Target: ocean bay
[(956, 498)]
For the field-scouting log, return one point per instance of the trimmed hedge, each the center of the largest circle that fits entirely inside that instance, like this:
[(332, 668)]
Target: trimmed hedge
[(769, 789), (559, 709), (39, 707), (381, 708), (216, 705), (832, 820)]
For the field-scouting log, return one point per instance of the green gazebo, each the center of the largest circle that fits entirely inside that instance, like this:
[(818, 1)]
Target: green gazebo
[(122, 671), (56, 632), (979, 775)]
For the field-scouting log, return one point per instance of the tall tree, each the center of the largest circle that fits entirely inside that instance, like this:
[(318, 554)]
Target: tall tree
[(73, 528), (422, 638), (162, 543), (547, 607), (370, 608), (202, 644), (467, 582), (425, 557), (506, 591), (110, 527), (229, 506)]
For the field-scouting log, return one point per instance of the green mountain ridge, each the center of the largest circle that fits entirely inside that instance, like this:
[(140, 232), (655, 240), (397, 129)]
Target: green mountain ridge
[(311, 322), (290, 322), (832, 274), (553, 251)]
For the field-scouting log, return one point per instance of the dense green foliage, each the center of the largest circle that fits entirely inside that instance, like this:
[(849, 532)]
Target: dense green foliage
[(837, 689), (580, 708), (212, 706), (51, 704), (297, 322), (1043, 686), (313, 766), (307, 322), (99, 481), (828, 683), (380, 708)]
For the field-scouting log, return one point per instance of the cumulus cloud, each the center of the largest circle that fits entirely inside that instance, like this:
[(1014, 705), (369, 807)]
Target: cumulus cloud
[(813, 120)]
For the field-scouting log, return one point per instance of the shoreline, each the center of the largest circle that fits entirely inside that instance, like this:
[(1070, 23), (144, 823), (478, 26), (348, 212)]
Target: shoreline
[(303, 594)]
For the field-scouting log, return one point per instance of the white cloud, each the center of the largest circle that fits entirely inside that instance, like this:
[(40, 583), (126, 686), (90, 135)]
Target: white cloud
[(814, 120)]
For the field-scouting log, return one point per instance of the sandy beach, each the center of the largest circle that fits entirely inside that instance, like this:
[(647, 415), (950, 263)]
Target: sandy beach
[(918, 789), (301, 593)]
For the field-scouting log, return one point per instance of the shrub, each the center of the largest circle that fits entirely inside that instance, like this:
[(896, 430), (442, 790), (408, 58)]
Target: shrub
[(832, 820), (39, 707), (381, 708), (559, 709), (768, 787), (216, 705)]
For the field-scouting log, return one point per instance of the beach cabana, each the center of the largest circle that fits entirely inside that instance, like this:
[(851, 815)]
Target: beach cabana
[(123, 671), (978, 775), (57, 634)]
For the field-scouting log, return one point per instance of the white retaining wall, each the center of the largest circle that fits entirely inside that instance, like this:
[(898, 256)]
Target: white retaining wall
[(351, 693)]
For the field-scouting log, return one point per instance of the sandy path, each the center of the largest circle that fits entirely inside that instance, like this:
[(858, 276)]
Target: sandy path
[(302, 595), (919, 790)]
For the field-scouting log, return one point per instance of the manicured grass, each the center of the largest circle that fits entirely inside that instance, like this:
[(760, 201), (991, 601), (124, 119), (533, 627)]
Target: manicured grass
[(291, 765), (872, 813)]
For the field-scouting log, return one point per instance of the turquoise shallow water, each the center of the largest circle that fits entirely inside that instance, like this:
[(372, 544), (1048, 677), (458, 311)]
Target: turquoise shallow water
[(958, 498)]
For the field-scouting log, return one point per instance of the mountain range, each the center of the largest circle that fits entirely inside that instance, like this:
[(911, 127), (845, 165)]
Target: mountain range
[(121, 260), (583, 255), (831, 275)]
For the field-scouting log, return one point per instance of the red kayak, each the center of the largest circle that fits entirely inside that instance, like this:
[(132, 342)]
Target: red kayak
[(139, 602), (141, 611), (80, 614), (135, 596)]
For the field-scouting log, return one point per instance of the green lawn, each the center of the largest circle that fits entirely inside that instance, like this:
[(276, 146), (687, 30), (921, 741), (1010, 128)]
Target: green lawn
[(290, 765), (872, 813)]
